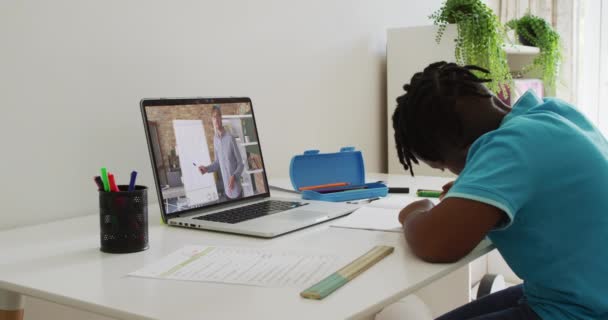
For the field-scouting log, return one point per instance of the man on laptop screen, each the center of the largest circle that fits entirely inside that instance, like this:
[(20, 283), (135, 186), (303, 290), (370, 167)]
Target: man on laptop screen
[(189, 137), (227, 157)]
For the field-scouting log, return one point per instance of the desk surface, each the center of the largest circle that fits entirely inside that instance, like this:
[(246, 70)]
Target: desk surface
[(61, 262)]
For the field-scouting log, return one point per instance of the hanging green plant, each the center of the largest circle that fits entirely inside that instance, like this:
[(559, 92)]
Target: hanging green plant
[(535, 31), (480, 39)]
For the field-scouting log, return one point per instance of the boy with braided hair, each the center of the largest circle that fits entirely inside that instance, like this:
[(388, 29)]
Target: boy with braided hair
[(533, 178)]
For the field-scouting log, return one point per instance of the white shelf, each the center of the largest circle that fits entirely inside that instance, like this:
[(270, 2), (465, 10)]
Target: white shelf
[(249, 144), (254, 171), (237, 116), (519, 49)]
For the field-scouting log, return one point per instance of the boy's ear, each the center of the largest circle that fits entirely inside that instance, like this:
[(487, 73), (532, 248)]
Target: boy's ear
[(456, 155)]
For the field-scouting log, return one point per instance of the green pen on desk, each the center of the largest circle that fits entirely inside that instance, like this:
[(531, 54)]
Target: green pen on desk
[(429, 193)]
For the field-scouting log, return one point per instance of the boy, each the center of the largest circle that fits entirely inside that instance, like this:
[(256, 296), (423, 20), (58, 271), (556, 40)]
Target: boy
[(533, 178)]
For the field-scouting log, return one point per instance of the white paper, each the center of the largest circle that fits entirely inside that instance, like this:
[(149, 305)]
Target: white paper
[(379, 215), (393, 202), (370, 218), (241, 266)]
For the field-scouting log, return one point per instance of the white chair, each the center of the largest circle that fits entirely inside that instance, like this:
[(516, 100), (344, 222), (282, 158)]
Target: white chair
[(410, 307)]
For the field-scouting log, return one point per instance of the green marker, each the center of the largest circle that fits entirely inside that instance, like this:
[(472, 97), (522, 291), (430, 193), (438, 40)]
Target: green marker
[(104, 179), (429, 193)]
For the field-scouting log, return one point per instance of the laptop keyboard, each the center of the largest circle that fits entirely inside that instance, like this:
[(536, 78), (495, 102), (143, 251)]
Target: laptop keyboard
[(252, 211)]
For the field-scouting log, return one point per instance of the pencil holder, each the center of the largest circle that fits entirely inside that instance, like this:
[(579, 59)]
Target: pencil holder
[(123, 218)]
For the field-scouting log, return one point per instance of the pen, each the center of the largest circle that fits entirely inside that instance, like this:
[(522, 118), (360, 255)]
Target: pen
[(363, 200), (322, 186), (104, 179), (398, 190), (341, 189), (113, 186), (428, 193), (132, 181), (98, 182)]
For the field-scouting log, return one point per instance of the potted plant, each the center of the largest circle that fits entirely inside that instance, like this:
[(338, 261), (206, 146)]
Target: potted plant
[(535, 31), (480, 39)]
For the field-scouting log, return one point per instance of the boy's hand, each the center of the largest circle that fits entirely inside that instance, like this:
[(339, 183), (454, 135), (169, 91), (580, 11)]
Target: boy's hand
[(445, 189), (417, 206), (202, 169)]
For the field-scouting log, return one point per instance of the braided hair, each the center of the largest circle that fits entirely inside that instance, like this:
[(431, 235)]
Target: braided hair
[(426, 117)]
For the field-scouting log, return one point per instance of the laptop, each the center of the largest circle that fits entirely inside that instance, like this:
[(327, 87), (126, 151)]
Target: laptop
[(209, 171)]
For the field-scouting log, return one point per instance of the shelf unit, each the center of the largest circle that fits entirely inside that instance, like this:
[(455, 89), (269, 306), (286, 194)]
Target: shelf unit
[(519, 49)]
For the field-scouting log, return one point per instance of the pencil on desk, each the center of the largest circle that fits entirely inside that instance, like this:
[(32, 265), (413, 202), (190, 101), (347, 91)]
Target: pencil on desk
[(322, 186), (339, 278)]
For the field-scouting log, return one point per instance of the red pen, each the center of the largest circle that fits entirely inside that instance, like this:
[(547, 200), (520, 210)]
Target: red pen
[(113, 186)]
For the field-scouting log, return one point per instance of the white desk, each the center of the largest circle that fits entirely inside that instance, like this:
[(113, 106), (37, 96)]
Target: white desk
[(61, 262)]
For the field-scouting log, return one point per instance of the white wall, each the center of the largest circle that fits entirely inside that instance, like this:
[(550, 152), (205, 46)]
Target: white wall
[(72, 74)]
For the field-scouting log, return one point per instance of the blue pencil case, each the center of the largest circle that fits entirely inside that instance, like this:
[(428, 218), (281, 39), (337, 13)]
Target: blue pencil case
[(342, 173)]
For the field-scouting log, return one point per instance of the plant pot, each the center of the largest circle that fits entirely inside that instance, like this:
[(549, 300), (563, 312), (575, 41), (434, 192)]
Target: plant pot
[(524, 41)]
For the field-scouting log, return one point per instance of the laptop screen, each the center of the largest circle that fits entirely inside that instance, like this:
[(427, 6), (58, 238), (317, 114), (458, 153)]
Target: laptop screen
[(204, 151)]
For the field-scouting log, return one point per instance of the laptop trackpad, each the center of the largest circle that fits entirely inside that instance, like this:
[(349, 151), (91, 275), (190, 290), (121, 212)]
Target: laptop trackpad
[(304, 215)]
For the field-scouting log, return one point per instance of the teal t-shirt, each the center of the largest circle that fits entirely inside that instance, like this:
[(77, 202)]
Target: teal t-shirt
[(546, 167)]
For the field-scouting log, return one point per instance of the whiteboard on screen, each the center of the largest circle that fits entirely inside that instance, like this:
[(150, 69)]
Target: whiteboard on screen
[(193, 151)]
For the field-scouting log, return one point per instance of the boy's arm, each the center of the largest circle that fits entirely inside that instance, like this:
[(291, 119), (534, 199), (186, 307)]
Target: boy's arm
[(450, 230)]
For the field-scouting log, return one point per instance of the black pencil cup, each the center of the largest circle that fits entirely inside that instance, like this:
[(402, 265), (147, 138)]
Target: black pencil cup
[(123, 218)]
